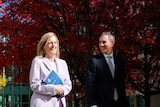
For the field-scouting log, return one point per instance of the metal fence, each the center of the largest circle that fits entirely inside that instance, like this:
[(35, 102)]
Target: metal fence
[(18, 95)]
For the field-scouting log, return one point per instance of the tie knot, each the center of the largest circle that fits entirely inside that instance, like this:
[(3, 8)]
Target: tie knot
[(109, 57)]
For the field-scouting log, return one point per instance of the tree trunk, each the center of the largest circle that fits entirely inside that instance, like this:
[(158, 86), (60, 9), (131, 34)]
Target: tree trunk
[(147, 75)]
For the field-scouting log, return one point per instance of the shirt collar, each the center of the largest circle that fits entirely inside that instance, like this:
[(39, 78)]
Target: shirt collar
[(105, 55)]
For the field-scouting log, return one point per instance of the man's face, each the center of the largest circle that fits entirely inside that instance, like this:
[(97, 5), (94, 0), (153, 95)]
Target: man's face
[(105, 44)]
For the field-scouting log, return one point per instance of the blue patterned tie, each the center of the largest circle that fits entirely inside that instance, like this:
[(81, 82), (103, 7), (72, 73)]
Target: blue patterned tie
[(110, 66), (112, 72)]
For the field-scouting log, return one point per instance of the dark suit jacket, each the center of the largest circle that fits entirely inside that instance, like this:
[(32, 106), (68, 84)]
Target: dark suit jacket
[(100, 83)]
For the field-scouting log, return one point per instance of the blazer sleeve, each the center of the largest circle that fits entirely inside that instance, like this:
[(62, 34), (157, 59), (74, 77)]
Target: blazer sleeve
[(67, 85), (35, 79), (90, 83)]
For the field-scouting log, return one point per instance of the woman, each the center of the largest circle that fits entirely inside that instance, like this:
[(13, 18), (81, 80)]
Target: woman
[(47, 59)]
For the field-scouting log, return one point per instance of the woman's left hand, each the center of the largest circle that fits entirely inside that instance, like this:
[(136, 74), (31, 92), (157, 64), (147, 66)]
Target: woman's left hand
[(59, 90)]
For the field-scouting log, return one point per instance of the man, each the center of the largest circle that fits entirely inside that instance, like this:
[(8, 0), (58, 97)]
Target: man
[(105, 82)]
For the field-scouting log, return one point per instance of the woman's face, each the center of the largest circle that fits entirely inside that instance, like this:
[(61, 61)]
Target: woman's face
[(51, 46)]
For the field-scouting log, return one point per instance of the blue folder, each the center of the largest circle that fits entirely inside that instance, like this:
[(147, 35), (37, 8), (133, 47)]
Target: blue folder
[(53, 78)]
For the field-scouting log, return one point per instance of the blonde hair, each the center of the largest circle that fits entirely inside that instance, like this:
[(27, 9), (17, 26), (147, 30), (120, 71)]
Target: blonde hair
[(42, 42)]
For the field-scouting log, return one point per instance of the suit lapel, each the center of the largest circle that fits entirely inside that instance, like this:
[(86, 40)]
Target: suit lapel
[(116, 65), (106, 67), (57, 64), (47, 64)]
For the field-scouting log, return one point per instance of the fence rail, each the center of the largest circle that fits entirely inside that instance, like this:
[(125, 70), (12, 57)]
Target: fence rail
[(18, 95)]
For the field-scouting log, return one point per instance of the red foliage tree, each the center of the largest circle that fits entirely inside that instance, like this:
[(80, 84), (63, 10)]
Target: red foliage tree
[(137, 26), (27, 20), (78, 24)]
